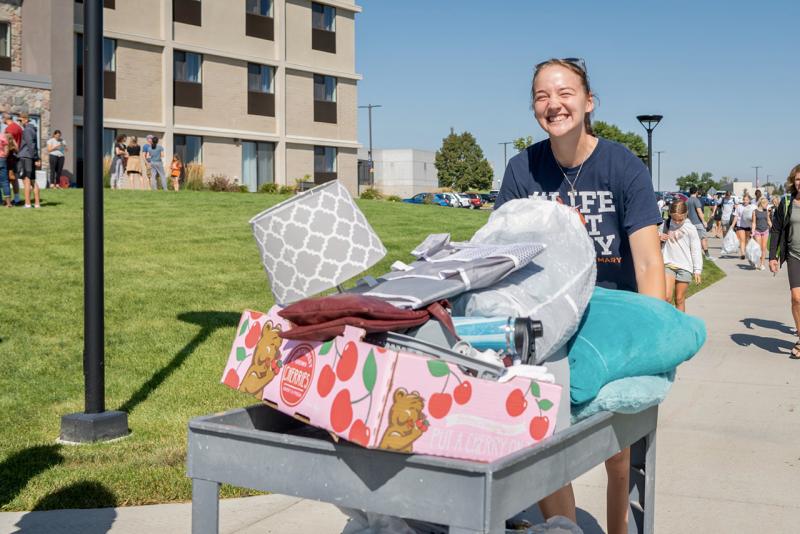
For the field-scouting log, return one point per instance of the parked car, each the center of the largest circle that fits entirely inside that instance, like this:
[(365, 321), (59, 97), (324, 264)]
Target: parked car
[(476, 202), (487, 198), (453, 200), (493, 195), (428, 198), (463, 200)]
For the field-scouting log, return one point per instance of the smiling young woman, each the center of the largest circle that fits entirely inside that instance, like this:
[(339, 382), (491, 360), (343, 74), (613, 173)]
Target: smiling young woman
[(613, 191)]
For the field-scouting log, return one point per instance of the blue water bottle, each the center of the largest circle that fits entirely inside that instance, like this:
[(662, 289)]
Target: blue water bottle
[(510, 335)]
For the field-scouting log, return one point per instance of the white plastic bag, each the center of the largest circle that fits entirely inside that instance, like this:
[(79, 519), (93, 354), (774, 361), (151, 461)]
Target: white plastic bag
[(730, 245), (555, 288), (753, 252)]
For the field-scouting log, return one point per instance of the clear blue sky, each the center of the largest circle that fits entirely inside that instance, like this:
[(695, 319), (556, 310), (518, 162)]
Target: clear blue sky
[(725, 75)]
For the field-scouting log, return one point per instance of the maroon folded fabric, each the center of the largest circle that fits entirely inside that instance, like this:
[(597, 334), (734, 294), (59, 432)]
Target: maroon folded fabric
[(329, 308), (323, 318)]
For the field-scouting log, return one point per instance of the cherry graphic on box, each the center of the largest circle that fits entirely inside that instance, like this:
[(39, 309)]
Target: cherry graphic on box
[(516, 404), (440, 403)]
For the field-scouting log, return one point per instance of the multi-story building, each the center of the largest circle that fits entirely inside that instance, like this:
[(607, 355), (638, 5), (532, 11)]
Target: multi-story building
[(257, 90)]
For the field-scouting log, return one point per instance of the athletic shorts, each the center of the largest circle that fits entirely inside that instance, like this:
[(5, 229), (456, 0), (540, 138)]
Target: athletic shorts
[(25, 168), (701, 230), (742, 228), (765, 233), (680, 275), (793, 266)]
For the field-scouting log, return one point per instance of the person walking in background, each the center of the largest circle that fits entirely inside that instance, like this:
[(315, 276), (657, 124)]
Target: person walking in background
[(758, 197), (773, 207), (682, 252), (118, 166), (175, 170), (716, 216), (15, 131), (761, 224), (784, 245), (146, 157), (742, 221), (134, 165), (697, 217), (155, 156), (29, 159), (56, 147), (727, 212), (5, 190)]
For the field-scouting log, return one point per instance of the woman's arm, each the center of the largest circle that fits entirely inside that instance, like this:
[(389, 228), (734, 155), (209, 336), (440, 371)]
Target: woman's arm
[(648, 263)]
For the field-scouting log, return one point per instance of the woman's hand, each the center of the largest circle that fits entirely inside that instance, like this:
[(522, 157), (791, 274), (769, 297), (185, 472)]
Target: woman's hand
[(697, 278), (773, 266), (663, 237)]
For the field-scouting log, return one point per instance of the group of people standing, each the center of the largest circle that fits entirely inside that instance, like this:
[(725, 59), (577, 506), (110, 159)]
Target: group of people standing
[(140, 162), (19, 159)]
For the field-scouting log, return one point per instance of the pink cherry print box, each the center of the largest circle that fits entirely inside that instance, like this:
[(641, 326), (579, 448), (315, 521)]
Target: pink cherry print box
[(381, 398)]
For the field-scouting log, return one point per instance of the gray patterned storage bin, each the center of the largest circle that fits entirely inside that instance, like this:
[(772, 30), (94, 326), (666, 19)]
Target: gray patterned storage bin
[(314, 241)]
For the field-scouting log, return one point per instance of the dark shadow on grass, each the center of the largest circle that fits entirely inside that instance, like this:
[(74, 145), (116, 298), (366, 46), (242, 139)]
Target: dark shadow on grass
[(22, 466), (749, 322), (208, 321), (85, 494), (769, 344), (50, 203)]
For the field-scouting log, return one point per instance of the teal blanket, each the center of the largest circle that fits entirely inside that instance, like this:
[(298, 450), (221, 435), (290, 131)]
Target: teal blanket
[(625, 334)]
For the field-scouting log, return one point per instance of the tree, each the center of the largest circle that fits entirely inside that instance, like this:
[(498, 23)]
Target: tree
[(703, 182), (521, 143), (633, 141), (461, 165)]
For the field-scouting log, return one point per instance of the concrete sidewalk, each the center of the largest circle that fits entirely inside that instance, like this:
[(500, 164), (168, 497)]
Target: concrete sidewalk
[(728, 456)]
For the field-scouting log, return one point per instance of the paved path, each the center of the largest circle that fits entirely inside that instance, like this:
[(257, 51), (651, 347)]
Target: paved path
[(728, 445)]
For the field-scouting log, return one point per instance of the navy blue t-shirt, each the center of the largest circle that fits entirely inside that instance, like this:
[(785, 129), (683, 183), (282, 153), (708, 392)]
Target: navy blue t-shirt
[(614, 192)]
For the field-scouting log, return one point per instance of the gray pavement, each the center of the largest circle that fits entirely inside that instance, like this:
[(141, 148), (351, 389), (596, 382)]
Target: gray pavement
[(728, 456)]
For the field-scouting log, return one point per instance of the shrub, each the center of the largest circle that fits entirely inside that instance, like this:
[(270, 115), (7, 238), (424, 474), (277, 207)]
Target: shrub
[(220, 182), (107, 171), (393, 198), (270, 188), (287, 190), (371, 194), (193, 176)]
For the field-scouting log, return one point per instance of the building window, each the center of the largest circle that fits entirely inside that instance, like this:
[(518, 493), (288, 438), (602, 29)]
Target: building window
[(260, 92), (79, 64), (109, 4), (5, 46), (188, 84), (109, 68), (189, 148), (258, 164), (187, 12), (323, 28), (258, 19), (109, 139), (324, 164), (324, 98)]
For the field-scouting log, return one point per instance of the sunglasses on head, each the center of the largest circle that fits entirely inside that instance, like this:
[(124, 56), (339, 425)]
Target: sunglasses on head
[(576, 61)]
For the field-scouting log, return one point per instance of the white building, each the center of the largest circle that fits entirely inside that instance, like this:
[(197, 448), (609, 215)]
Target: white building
[(403, 172)]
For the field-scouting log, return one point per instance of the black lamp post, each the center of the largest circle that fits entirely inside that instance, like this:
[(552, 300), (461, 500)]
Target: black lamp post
[(94, 423), (371, 166), (650, 122)]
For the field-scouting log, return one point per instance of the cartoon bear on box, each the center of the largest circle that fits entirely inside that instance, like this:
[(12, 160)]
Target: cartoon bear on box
[(406, 422), (265, 362)]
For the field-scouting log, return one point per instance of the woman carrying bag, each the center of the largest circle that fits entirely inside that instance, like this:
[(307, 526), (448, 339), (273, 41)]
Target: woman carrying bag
[(785, 248)]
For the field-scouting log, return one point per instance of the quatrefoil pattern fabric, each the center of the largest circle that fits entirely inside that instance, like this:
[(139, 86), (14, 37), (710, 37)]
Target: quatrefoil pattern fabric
[(315, 241)]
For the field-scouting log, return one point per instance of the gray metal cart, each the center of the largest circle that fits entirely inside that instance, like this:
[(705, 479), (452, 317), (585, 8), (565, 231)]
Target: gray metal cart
[(260, 448)]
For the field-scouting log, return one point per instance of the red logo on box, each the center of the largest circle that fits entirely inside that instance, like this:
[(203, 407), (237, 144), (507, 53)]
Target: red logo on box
[(297, 374)]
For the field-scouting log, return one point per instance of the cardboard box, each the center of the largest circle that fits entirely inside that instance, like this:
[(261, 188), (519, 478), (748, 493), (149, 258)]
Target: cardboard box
[(387, 399)]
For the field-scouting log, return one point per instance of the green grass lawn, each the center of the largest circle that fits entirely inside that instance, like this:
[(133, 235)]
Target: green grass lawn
[(179, 270)]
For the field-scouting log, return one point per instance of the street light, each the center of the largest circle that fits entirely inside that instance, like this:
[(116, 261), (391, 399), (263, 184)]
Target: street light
[(505, 157), (659, 152), (756, 167), (650, 122), (95, 423), (371, 170)]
